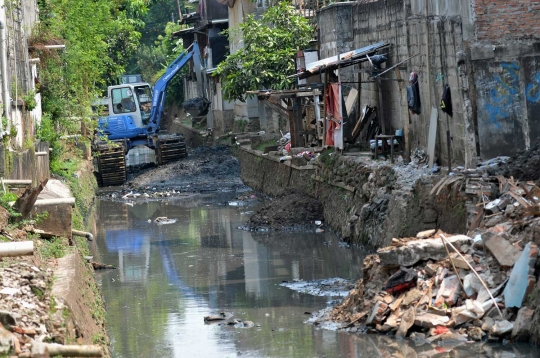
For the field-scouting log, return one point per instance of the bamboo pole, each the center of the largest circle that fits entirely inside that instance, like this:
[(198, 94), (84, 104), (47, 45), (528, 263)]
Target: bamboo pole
[(453, 266), (476, 273)]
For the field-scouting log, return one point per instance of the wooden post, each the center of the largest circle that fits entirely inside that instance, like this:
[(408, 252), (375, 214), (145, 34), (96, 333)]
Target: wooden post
[(292, 129), (382, 120), (325, 90), (406, 118), (298, 123), (449, 144)]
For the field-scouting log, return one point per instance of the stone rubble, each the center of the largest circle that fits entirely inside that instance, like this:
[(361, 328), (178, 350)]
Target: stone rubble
[(27, 310), (446, 300)]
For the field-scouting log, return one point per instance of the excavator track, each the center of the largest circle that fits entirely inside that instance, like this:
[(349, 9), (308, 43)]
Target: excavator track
[(170, 147), (111, 160)]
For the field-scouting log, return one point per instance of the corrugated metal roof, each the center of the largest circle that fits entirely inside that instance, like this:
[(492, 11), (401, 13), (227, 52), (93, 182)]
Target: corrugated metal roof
[(341, 60)]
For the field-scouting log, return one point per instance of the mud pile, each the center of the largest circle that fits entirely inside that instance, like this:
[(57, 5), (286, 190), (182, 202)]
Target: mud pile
[(526, 165), (204, 168), (293, 208)]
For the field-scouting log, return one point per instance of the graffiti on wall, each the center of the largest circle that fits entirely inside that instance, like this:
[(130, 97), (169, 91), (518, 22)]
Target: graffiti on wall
[(501, 98), (500, 107), (531, 72)]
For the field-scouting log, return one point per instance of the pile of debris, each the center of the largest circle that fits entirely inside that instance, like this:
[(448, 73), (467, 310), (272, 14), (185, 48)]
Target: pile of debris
[(443, 288), (25, 308), (526, 164), (468, 288)]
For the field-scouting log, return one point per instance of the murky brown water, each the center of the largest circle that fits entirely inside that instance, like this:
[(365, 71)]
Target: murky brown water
[(171, 276)]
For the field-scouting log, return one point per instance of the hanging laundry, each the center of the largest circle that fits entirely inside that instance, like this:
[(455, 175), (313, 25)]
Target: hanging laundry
[(446, 101), (333, 112), (413, 94)]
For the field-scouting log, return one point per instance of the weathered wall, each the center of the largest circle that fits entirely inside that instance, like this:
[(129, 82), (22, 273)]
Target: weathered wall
[(507, 75), (363, 200), (501, 20), (25, 164), (441, 60)]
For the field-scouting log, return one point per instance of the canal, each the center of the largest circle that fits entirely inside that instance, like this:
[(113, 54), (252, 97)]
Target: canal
[(170, 277)]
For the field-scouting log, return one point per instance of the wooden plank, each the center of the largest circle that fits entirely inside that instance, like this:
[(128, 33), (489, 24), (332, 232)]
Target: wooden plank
[(406, 118), (351, 98), (432, 136), (519, 199)]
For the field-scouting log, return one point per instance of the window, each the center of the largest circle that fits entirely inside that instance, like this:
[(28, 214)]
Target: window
[(123, 101), (144, 95)]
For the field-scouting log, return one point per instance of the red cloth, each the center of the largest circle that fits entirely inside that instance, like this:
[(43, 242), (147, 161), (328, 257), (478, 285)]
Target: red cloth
[(332, 111)]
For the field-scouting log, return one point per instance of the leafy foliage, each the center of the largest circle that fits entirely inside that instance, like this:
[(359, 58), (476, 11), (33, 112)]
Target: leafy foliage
[(267, 56), (100, 37)]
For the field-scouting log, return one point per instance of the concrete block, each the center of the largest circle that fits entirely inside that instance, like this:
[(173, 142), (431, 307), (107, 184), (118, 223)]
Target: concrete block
[(503, 251), (419, 250), (522, 326)]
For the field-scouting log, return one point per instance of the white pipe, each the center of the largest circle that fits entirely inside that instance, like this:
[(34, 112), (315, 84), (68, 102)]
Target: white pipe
[(59, 201), (88, 235), (19, 248), (3, 64), (39, 154), (17, 181), (52, 47)]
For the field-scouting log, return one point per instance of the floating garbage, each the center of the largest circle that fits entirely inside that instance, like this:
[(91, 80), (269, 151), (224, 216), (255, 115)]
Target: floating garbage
[(163, 220)]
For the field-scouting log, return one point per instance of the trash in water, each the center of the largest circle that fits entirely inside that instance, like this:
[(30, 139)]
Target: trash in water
[(329, 287), (163, 220), (236, 203)]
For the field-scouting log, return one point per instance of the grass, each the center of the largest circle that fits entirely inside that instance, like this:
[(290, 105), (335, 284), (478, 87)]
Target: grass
[(69, 166), (268, 143), (54, 248)]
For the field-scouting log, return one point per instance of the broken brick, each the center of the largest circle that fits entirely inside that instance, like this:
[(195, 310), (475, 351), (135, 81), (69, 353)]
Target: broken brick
[(505, 254)]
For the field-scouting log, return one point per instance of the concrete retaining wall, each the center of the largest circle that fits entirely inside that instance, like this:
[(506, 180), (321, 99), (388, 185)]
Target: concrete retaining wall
[(364, 201), (193, 137), (25, 164)]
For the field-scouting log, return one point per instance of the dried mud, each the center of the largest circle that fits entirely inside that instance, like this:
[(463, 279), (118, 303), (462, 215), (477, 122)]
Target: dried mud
[(293, 208)]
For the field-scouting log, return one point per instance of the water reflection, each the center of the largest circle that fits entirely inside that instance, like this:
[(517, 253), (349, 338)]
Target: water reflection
[(171, 276)]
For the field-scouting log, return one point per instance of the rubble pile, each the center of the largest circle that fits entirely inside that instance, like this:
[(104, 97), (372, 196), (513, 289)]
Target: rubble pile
[(440, 287), (27, 311), (440, 298)]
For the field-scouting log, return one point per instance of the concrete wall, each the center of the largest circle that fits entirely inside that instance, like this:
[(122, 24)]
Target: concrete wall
[(364, 201), (26, 164), (507, 75), (439, 45)]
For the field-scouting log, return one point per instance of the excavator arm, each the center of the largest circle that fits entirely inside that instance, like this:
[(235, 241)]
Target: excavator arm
[(160, 88)]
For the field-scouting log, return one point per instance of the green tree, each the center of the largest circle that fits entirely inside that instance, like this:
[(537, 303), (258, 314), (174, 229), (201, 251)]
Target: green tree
[(100, 37), (267, 57)]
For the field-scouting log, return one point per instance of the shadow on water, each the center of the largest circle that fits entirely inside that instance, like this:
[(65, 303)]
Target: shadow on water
[(171, 276)]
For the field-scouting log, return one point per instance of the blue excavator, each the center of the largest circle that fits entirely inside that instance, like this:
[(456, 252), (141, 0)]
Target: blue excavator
[(135, 119)]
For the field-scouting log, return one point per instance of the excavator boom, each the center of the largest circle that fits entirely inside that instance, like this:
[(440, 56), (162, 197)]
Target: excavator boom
[(137, 121)]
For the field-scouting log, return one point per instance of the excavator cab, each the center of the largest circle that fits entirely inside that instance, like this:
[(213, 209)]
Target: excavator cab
[(132, 99)]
